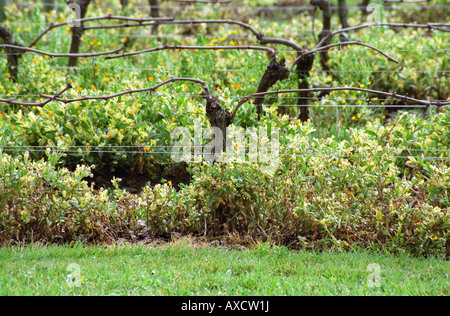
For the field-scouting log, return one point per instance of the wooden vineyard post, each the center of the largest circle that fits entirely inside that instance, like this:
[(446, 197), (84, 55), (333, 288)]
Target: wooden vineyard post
[(77, 32), (12, 55)]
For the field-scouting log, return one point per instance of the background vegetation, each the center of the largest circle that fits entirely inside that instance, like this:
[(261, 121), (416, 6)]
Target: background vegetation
[(356, 174)]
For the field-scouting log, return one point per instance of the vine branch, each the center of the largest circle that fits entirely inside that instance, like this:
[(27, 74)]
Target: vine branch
[(305, 53), (165, 47), (383, 93), (106, 17), (39, 104), (6, 46), (430, 26)]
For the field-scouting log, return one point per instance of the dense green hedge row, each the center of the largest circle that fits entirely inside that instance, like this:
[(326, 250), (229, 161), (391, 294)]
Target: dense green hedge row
[(363, 193), (350, 177)]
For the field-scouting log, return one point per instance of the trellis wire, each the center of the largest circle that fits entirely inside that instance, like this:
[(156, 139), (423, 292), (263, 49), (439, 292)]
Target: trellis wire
[(225, 6), (241, 36), (57, 147), (411, 106), (292, 51), (191, 95), (253, 154), (343, 105)]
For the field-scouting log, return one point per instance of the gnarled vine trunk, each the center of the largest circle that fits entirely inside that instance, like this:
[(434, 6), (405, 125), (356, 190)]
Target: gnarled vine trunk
[(12, 55), (276, 71), (220, 118), (303, 69)]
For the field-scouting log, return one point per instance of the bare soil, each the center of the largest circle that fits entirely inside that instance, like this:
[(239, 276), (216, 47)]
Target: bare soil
[(134, 183)]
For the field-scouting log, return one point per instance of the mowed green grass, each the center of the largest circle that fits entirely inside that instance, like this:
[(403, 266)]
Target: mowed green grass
[(189, 268)]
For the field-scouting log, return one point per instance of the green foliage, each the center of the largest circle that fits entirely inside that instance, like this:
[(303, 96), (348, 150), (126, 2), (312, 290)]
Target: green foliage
[(350, 177), (42, 202), (190, 266), (345, 199)]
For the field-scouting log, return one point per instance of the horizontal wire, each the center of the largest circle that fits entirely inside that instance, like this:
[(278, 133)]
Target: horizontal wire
[(345, 105), (389, 50), (335, 105), (324, 71), (340, 106), (94, 57), (173, 36), (329, 51), (288, 51), (225, 6), (189, 95), (250, 154), (382, 71), (244, 70), (356, 105), (333, 149), (233, 36), (227, 26), (63, 147)]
